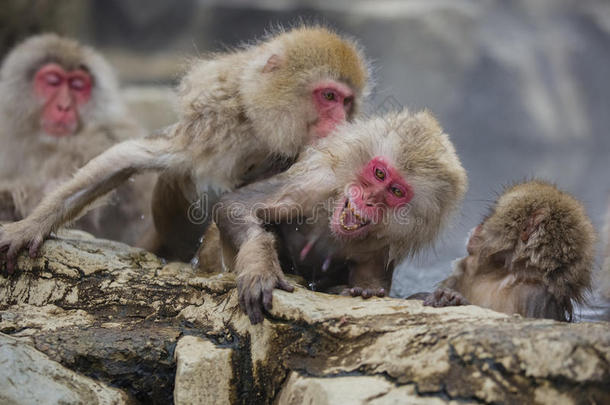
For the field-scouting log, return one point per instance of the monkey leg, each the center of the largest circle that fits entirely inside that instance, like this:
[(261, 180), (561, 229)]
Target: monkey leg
[(368, 279), (180, 217)]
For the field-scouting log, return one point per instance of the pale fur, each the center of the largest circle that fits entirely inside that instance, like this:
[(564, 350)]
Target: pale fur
[(33, 164), (413, 143), (233, 116)]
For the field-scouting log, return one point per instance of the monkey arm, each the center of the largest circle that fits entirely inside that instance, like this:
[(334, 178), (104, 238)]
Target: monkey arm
[(241, 217), (96, 178)]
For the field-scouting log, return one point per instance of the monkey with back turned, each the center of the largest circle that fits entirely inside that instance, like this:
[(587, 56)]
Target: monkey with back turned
[(532, 255)]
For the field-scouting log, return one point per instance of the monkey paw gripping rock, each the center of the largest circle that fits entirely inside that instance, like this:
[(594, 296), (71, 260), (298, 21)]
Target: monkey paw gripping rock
[(90, 314)]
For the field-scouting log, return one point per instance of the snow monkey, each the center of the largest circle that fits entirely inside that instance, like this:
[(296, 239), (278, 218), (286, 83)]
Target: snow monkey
[(375, 192), (60, 107), (239, 112), (532, 255)]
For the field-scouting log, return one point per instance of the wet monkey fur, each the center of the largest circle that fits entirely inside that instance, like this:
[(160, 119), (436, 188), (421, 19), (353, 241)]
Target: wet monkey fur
[(532, 255), (375, 192), (238, 111), (61, 107)]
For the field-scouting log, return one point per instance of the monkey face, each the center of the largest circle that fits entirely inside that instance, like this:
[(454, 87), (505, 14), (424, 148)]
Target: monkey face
[(333, 102), (61, 93), (378, 191)]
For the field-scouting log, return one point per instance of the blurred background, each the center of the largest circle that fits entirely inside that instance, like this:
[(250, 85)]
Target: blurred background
[(522, 87)]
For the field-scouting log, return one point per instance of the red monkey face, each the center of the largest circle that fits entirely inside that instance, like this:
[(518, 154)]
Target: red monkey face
[(333, 103), (379, 189), (62, 94)]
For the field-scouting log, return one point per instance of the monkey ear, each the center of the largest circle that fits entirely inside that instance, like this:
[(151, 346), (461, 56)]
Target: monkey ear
[(533, 222), (273, 63)]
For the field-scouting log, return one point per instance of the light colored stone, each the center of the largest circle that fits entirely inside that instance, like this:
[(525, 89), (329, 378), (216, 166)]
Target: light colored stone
[(203, 373), (353, 390), (29, 377), (122, 323)]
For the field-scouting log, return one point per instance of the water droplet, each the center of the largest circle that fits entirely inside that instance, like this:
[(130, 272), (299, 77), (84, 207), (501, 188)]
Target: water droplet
[(142, 217)]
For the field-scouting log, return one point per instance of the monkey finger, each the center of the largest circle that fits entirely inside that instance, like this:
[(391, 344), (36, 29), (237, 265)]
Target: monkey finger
[(242, 301), (13, 251), (282, 284), (367, 293), (35, 245), (380, 292), (355, 291), (268, 300), (254, 310), (10, 265)]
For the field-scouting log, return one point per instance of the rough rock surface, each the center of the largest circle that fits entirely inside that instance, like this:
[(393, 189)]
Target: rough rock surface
[(160, 332), (29, 377)]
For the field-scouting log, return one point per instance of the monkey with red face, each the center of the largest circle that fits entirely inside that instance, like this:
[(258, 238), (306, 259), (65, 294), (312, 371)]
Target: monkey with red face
[(240, 113), (366, 197), (61, 107)]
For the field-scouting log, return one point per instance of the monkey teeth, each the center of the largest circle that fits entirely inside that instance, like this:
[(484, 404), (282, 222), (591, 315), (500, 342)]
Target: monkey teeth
[(350, 219)]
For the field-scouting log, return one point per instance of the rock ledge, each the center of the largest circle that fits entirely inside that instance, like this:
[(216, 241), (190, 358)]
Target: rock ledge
[(119, 317)]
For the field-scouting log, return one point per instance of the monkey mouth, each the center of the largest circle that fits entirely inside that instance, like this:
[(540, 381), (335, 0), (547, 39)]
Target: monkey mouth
[(59, 129), (350, 219)]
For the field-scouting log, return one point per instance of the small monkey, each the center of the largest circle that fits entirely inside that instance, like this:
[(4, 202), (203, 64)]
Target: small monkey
[(532, 255), (60, 107), (239, 112), (373, 193)]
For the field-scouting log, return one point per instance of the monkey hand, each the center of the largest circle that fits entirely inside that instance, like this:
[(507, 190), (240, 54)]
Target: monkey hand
[(445, 297), (17, 235), (364, 292), (255, 289)]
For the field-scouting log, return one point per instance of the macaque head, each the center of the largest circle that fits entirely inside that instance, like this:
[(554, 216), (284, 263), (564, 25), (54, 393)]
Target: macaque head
[(302, 84), (54, 86), (62, 94), (539, 232), (398, 179), (380, 188)]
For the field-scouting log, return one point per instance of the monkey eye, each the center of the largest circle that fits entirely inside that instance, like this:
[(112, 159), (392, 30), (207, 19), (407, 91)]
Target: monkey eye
[(77, 83), (329, 95), (397, 191), (52, 79), (380, 174)]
